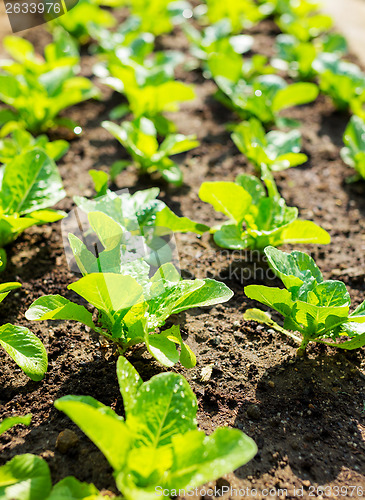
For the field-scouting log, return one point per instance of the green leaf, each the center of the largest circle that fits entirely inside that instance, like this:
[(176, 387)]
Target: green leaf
[(129, 383), (25, 477), (56, 307), (166, 405), (10, 422), (31, 182), (25, 349), (294, 95), (163, 349), (211, 293), (6, 288), (167, 218), (230, 236), (71, 488), (106, 429), (201, 458), (226, 197), (304, 231), (100, 180), (359, 313), (294, 268), (277, 298), (108, 292)]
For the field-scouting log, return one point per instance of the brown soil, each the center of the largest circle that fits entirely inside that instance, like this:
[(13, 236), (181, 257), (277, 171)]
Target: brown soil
[(306, 415)]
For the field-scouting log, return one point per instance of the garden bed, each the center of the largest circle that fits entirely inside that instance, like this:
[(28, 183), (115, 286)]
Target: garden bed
[(307, 416)]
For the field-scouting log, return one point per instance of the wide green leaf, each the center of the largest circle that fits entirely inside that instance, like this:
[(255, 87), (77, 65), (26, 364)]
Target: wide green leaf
[(226, 197), (201, 458), (25, 349), (108, 292), (71, 488), (30, 182), (277, 298), (294, 95), (56, 307), (294, 268), (25, 477), (304, 231)]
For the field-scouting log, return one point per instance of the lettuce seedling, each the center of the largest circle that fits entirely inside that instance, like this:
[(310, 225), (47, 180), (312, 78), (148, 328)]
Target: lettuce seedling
[(130, 304), (298, 57), (353, 154), (158, 446), (125, 40), (276, 150), (23, 346), (29, 184), (79, 19), (216, 39), (304, 28), (21, 141), (38, 89), (242, 14), (344, 82), (139, 138), (28, 477), (262, 97), (156, 17), (141, 210), (294, 56), (318, 309), (257, 220), (149, 87)]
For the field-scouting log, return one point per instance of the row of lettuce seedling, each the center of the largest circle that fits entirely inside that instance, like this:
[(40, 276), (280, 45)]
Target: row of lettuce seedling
[(158, 443)]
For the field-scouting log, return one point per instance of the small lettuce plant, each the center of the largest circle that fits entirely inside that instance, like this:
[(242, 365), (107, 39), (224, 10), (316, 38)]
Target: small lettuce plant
[(20, 141), (37, 89), (262, 97), (256, 218), (317, 309), (130, 304), (29, 185), (148, 85), (139, 210), (275, 150), (157, 448), (353, 154), (22, 346), (139, 138), (342, 81)]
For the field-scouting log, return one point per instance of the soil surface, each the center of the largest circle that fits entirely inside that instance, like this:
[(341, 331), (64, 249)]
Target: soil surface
[(307, 416)]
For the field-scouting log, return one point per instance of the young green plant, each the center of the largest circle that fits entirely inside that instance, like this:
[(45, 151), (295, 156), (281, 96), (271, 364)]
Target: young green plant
[(319, 310), (342, 81), (157, 449), (275, 150), (37, 89), (30, 184), (149, 86), (257, 219), (353, 154), (21, 141), (131, 301), (139, 138)]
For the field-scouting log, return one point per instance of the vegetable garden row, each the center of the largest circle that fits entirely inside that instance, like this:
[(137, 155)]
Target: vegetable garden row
[(122, 245)]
